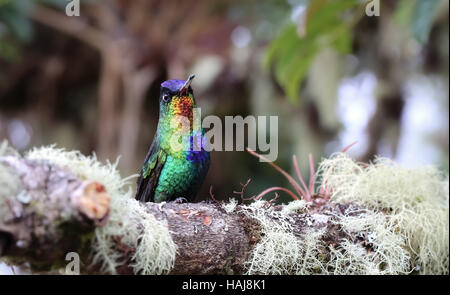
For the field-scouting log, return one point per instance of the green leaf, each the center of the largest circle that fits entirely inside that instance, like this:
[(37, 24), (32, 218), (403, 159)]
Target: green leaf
[(14, 16), (404, 11), (423, 16), (329, 24), (55, 3), (343, 42)]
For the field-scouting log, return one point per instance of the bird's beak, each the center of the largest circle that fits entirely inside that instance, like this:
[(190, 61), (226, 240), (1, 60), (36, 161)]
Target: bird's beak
[(186, 84)]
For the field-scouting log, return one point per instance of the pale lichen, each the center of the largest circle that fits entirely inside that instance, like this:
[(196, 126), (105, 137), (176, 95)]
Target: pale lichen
[(409, 209), (280, 251), (395, 222), (387, 254), (129, 223), (230, 205), (296, 206), (9, 183)]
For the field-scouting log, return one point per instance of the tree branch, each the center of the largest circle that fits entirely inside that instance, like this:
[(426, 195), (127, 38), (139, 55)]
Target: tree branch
[(70, 25), (50, 213), (54, 211)]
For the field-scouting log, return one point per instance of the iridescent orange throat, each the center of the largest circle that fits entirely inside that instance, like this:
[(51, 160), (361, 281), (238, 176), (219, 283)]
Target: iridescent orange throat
[(182, 106)]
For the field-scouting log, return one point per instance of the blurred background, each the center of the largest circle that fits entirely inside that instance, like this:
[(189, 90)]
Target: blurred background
[(333, 75)]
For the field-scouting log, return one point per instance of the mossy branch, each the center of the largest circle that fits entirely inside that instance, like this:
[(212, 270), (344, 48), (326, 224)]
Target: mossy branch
[(54, 211), (49, 213), (374, 219)]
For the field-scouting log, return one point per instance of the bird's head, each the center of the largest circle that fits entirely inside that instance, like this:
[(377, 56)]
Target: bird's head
[(176, 99)]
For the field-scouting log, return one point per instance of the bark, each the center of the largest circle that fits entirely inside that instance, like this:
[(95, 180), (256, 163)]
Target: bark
[(54, 213), (51, 213)]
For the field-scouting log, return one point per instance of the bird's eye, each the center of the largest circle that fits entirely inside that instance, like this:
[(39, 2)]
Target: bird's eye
[(166, 97)]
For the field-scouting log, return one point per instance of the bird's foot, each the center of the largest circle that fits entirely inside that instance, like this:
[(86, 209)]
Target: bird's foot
[(180, 200)]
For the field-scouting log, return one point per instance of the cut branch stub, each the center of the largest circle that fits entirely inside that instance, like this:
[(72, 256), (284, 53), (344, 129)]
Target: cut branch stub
[(50, 213), (92, 200)]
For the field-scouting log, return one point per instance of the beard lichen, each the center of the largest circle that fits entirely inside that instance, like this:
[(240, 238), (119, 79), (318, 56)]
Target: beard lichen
[(373, 246), (129, 222), (230, 206), (408, 213), (9, 183), (395, 221), (280, 250)]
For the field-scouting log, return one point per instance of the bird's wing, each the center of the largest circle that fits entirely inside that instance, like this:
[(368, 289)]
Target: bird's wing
[(150, 172)]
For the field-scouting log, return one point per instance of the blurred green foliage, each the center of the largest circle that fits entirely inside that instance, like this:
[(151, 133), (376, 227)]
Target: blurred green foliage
[(14, 15), (418, 16), (16, 26), (422, 19), (328, 24), (51, 82)]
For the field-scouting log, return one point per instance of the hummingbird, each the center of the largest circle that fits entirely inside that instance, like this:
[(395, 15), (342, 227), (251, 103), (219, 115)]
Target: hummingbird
[(177, 161)]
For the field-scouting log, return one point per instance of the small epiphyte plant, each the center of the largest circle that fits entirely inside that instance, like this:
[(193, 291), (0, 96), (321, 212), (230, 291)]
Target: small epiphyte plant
[(302, 190)]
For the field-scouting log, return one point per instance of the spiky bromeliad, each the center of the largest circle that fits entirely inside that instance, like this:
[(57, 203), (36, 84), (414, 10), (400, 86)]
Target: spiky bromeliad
[(177, 162)]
